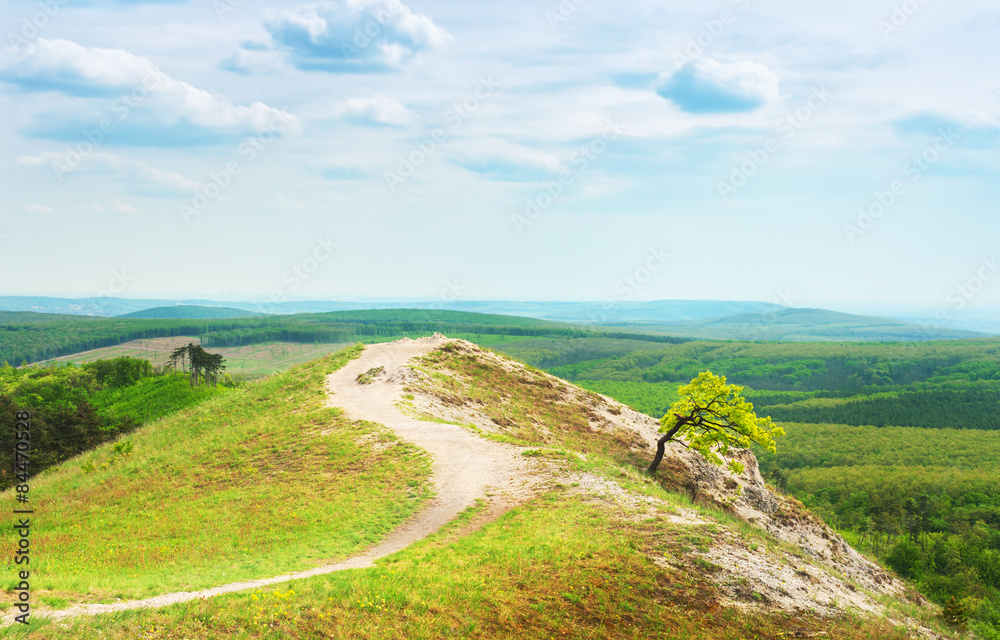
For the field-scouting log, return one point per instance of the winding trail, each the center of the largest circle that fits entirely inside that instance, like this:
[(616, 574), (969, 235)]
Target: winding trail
[(465, 467)]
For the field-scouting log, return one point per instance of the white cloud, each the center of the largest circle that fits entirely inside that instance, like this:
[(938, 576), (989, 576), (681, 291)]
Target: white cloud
[(122, 207), (69, 68), (137, 175), (37, 208), (354, 34), (501, 160), (708, 86), (377, 110), (116, 207), (253, 62)]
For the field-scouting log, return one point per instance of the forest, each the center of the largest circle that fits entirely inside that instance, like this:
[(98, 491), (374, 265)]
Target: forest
[(74, 409), (27, 337), (924, 501)]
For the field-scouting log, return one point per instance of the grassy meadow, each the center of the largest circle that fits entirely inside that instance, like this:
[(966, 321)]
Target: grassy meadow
[(258, 482), (561, 566)]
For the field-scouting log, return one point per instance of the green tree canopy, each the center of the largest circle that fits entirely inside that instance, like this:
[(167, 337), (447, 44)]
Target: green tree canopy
[(711, 417)]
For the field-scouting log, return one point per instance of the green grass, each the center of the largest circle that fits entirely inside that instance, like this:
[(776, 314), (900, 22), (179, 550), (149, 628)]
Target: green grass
[(559, 567), (152, 398), (261, 481), (527, 406)]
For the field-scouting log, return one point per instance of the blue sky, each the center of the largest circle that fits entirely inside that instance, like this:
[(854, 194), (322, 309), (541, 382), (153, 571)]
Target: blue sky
[(843, 155)]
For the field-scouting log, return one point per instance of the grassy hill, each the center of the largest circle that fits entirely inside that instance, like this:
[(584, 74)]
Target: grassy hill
[(190, 311), (269, 480), (262, 480)]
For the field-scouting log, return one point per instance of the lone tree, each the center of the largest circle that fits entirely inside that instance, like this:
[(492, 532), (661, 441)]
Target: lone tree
[(711, 417)]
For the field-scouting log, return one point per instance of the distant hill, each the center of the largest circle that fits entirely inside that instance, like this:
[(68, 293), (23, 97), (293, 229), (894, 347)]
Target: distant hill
[(95, 306), (189, 312), (813, 325), (576, 312), (714, 319)]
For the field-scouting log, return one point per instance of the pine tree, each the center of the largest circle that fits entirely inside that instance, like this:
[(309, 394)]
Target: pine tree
[(955, 614)]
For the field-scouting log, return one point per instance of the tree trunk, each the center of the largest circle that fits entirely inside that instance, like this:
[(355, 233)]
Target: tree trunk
[(661, 447), (661, 444)]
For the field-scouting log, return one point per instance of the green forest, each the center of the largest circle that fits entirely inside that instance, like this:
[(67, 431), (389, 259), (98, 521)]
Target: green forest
[(924, 501), (27, 337), (74, 409)]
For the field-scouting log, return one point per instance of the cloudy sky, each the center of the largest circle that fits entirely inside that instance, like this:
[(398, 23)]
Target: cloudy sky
[(836, 154)]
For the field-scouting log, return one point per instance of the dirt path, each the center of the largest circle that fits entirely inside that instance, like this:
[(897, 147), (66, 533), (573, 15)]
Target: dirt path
[(465, 467)]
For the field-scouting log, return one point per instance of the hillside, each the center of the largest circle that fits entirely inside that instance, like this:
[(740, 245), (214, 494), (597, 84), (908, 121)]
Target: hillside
[(558, 533), (189, 311), (813, 324)]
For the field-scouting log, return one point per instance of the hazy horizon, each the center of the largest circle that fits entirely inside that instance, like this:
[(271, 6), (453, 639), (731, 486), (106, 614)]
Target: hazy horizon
[(841, 157)]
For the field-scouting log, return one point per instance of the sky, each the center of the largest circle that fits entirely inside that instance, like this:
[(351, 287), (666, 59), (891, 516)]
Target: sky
[(825, 154)]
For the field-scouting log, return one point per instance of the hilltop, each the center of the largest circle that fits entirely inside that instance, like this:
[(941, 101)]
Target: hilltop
[(552, 528)]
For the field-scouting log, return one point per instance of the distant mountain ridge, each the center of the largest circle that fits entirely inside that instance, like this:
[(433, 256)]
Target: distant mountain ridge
[(189, 312), (708, 319), (579, 312)]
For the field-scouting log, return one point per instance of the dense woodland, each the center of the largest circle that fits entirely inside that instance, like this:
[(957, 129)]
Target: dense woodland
[(925, 501)]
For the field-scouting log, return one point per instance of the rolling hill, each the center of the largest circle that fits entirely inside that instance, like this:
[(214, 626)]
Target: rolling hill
[(189, 312), (812, 325)]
